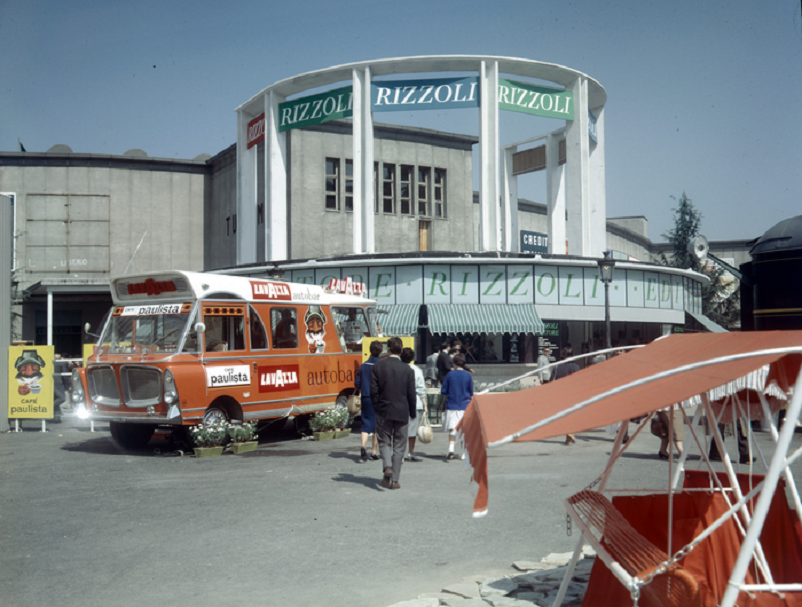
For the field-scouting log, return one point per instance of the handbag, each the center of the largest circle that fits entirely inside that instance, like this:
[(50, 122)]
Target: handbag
[(657, 427), (425, 429), (354, 405)]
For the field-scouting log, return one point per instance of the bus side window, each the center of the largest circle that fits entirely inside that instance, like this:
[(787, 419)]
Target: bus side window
[(225, 328), (284, 325), (258, 333)]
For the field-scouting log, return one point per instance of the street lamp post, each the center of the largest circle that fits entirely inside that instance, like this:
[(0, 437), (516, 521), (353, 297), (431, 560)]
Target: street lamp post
[(606, 265)]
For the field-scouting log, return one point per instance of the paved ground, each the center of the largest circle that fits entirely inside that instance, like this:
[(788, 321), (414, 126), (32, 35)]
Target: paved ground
[(84, 523)]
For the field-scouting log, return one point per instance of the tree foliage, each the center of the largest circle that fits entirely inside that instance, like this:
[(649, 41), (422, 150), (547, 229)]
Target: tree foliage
[(687, 221), (721, 301)]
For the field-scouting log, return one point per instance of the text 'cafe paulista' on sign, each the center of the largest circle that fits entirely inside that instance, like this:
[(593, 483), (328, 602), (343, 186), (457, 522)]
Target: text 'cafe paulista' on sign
[(405, 95)]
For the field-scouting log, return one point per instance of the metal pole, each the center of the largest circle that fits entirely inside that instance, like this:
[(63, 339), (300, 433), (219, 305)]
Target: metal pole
[(607, 314)]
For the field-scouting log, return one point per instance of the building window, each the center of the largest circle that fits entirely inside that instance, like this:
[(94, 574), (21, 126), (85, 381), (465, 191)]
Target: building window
[(235, 223), (228, 225), (260, 213), (388, 188), (349, 185), (424, 186), (439, 192), (332, 184), (405, 195)]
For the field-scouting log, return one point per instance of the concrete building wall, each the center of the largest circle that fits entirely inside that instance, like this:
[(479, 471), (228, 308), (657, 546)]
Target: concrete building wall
[(111, 203), (316, 231)]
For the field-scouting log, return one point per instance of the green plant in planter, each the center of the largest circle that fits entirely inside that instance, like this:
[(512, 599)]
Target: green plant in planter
[(242, 433), (327, 420), (211, 435)]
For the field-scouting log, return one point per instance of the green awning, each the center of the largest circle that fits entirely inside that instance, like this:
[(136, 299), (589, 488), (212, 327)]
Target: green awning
[(484, 318), (400, 319)]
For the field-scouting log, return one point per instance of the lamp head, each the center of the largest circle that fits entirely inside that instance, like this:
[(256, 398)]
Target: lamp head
[(606, 265)]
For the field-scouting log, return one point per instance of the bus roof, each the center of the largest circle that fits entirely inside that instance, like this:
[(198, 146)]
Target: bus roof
[(179, 286)]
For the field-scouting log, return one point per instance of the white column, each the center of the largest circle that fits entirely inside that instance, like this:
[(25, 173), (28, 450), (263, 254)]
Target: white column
[(489, 234), (576, 174), (510, 201), (555, 194), (49, 318), (364, 216), (246, 193), (276, 165), (596, 188)]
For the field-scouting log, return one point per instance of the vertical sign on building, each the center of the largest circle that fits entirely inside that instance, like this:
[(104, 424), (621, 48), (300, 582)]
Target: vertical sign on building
[(256, 130)]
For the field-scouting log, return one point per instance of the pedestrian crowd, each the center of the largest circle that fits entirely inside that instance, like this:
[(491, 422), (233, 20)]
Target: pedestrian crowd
[(393, 395)]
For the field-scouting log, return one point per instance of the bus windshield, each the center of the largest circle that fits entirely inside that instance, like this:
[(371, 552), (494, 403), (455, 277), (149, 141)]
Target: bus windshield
[(147, 329)]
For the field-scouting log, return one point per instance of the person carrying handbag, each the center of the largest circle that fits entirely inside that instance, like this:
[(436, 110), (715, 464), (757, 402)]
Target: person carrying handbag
[(362, 383)]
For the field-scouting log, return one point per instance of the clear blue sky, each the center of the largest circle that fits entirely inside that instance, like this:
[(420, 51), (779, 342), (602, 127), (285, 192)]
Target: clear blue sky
[(703, 97)]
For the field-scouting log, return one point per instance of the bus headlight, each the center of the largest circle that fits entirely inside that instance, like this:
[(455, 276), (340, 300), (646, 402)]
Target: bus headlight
[(170, 391), (77, 393)]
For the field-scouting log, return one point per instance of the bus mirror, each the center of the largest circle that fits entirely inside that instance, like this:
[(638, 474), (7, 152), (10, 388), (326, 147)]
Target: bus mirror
[(200, 328), (87, 326)]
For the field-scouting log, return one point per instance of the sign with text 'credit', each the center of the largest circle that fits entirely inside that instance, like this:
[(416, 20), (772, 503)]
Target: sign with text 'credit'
[(536, 100), (315, 109), (534, 242), (430, 94)]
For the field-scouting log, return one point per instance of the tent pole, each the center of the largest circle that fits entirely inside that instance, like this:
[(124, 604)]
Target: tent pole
[(789, 476), (778, 463), (691, 424), (736, 487), (569, 572)]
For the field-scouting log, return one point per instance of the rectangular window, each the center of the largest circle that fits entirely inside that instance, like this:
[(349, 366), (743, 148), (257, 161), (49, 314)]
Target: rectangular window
[(284, 327), (424, 187), (332, 184), (388, 188), (260, 213), (439, 192), (405, 195), (225, 327), (349, 185)]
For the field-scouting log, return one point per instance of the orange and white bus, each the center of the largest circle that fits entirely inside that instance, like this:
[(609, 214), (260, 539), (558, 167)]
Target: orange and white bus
[(181, 348)]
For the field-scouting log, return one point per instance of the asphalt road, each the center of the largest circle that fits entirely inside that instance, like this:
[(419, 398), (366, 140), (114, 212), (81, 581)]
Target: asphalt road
[(85, 523)]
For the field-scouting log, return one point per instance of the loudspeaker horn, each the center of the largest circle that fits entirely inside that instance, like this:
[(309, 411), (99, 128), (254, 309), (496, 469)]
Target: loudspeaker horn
[(698, 247)]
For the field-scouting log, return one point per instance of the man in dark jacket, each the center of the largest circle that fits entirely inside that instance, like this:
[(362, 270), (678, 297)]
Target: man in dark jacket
[(392, 392), (444, 363)]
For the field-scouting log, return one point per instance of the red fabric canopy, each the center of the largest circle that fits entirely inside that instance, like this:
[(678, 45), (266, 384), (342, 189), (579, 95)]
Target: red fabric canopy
[(543, 411)]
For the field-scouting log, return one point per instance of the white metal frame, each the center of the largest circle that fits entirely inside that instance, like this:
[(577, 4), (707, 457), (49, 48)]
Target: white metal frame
[(780, 464)]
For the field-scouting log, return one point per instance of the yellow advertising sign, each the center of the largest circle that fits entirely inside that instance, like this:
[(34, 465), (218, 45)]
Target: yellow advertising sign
[(89, 350), (409, 342), (30, 382)]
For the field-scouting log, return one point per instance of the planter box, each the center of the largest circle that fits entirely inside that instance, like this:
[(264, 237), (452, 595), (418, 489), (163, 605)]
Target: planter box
[(342, 433), (208, 451), (238, 448), (324, 435)]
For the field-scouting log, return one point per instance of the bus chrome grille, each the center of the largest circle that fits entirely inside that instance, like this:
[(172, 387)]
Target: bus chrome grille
[(142, 386), (103, 386)]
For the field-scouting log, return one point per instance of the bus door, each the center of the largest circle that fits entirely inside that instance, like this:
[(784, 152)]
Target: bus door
[(226, 361)]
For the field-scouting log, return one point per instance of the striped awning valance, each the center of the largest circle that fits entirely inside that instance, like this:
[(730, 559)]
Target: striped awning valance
[(400, 319), (484, 318)]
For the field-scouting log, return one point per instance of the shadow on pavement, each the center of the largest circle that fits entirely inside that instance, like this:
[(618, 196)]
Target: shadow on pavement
[(369, 482)]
